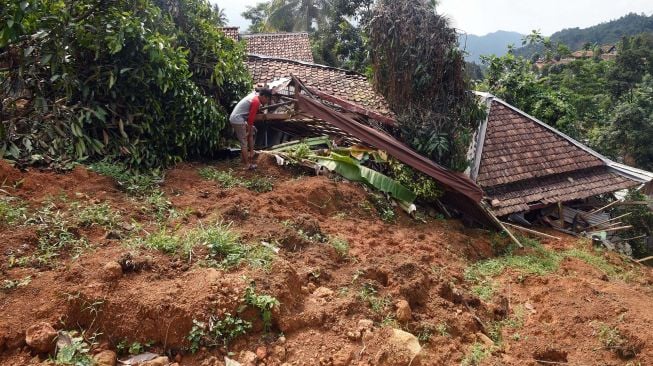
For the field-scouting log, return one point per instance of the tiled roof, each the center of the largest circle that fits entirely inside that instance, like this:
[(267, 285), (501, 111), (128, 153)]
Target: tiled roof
[(349, 86), (231, 32), (518, 148), (292, 46), (517, 197)]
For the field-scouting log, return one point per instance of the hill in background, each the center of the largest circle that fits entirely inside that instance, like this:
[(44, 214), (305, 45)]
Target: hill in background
[(605, 33), (495, 43)]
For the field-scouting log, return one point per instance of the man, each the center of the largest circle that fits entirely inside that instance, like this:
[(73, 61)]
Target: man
[(242, 121)]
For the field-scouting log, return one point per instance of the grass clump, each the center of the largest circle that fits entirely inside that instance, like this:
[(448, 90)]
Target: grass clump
[(8, 285), (131, 181), (95, 214), (485, 290), (162, 241), (12, 211), (384, 207), (341, 246), (217, 331), (593, 260), (264, 303)]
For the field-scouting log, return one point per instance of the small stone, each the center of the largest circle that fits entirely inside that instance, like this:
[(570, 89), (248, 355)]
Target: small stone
[(261, 352), (112, 271), (342, 357), (248, 358), (365, 324), (404, 313), (484, 339), (159, 361), (279, 352), (105, 358), (40, 337), (311, 287), (282, 340), (367, 335), (353, 336), (323, 292), (113, 235), (178, 357)]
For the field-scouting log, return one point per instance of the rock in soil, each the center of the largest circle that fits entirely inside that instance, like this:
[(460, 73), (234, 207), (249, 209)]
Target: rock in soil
[(40, 337), (112, 271), (248, 358), (484, 339), (342, 357), (261, 352), (159, 361), (105, 358), (399, 349), (404, 313), (323, 292)]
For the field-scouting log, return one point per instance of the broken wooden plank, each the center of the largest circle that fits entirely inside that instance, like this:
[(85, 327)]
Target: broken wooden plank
[(642, 260), (531, 231), (605, 207), (613, 229), (272, 117), (610, 220)]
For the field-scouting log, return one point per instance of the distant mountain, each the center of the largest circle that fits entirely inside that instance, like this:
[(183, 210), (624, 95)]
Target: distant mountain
[(605, 33), (491, 44)]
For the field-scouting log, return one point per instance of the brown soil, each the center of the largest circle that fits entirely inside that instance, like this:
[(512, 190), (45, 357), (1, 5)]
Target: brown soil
[(158, 296)]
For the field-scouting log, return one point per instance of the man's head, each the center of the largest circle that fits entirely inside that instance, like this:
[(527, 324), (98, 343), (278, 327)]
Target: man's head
[(265, 95)]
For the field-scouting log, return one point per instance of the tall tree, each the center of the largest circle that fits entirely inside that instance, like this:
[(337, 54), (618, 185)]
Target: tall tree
[(418, 67), (298, 15)]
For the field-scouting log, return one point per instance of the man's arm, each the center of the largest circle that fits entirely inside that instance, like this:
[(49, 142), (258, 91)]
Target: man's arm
[(253, 110)]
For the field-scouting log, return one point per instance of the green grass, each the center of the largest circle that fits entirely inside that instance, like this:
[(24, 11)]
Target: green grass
[(217, 331), (377, 304), (594, 260), (8, 285), (12, 211), (227, 179), (610, 336), (263, 302), (224, 246), (95, 214), (485, 290), (477, 353), (129, 180)]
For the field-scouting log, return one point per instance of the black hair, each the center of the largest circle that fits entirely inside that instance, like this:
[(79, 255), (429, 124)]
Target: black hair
[(265, 92)]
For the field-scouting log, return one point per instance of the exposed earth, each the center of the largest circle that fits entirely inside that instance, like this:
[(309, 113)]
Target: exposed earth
[(132, 272)]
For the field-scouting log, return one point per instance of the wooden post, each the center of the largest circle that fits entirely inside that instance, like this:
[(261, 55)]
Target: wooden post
[(561, 215)]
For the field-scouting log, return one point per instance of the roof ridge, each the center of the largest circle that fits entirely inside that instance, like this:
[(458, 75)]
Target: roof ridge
[(275, 34), (304, 63)]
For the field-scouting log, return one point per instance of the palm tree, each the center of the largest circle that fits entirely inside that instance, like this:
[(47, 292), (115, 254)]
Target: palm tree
[(298, 15), (219, 17)]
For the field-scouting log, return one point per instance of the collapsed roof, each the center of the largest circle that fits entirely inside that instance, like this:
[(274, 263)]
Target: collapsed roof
[(524, 164), (291, 46)]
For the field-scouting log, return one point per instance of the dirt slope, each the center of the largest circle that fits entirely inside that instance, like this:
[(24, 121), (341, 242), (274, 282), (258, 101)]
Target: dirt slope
[(588, 308)]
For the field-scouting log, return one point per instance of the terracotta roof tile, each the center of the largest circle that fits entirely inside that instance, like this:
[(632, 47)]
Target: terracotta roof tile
[(231, 32), (346, 85), (517, 148), (292, 46), (519, 196)]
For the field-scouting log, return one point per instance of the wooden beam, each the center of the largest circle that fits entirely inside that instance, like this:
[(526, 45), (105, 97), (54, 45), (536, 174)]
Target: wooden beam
[(606, 221), (644, 259), (534, 232), (613, 229), (605, 207), (272, 117)]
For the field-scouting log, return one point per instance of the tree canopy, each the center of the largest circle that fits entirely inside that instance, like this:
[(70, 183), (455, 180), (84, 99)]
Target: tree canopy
[(148, 81)]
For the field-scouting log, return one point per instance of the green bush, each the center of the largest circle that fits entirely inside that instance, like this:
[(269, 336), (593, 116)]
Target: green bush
[(148, 81)]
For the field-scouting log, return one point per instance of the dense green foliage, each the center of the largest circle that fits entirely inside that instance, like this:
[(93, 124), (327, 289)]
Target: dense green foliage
[(608, 104), (145, 80), (604, 33), (419, 69)]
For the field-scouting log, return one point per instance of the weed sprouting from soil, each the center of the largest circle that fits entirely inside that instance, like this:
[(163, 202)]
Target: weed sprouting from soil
[(264, 303), (477, 353), (95, 214), (369, 294), (384, 207), (76, 352), (217, 331)]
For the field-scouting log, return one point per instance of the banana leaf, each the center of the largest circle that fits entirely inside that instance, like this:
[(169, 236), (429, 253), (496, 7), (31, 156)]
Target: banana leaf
[(350, 169)]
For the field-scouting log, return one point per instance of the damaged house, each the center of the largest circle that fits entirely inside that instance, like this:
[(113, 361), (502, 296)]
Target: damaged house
[(521, 168)]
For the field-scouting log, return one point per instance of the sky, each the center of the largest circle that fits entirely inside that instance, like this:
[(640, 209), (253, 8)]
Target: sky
[(485, 16)]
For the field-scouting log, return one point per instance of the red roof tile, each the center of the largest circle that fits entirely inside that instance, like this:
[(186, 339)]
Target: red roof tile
[(519, 196), (292, 46), (518, 148), (349, 86)]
